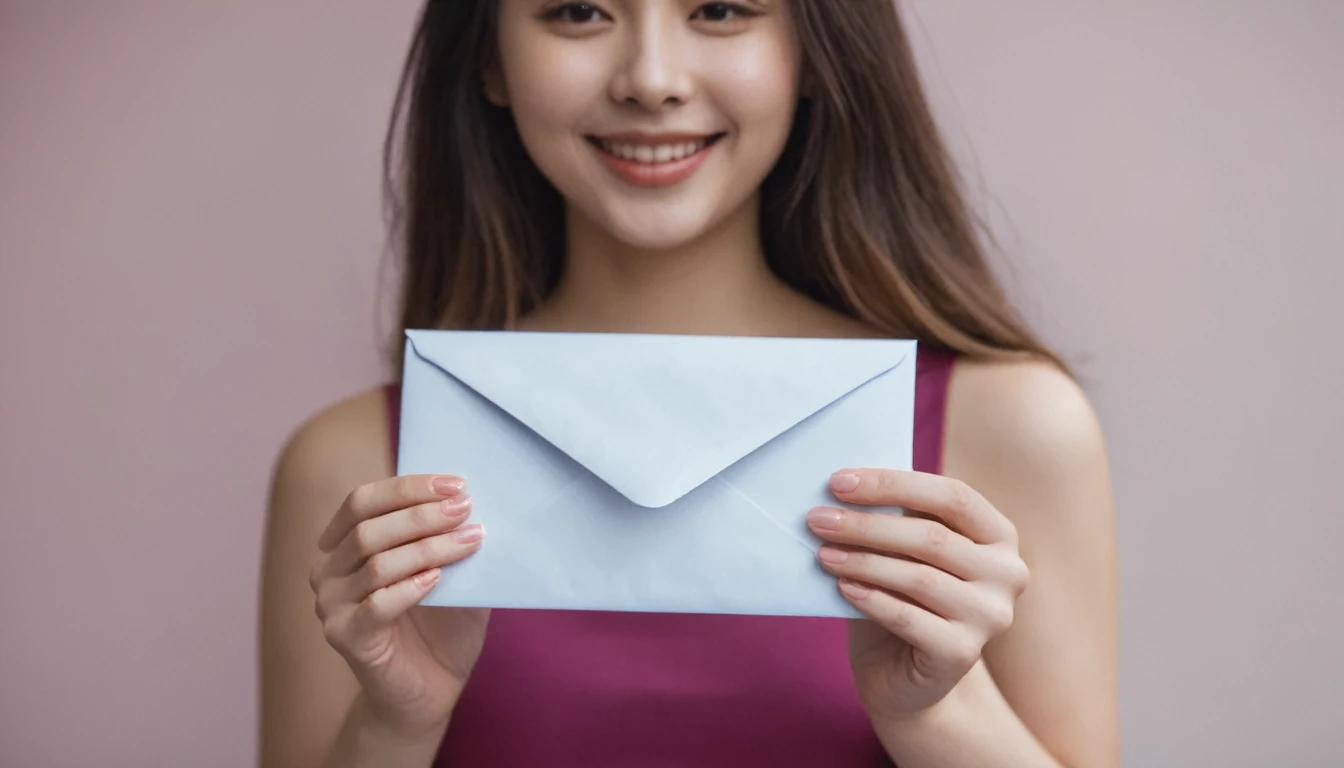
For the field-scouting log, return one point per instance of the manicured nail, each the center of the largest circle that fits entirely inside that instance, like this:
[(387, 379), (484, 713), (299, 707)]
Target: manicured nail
[(448, 485), (427, 578), (824, 518), (854, 590), (469, 534), (455, 507), (832, 555), (844, 482)]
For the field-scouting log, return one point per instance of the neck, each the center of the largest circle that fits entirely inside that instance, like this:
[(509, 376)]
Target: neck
[(719, 284)]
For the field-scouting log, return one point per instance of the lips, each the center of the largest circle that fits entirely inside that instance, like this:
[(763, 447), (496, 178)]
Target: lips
[(654, 159)]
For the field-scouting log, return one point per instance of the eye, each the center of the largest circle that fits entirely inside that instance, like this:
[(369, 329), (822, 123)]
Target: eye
[(574, 13), (723, 12)]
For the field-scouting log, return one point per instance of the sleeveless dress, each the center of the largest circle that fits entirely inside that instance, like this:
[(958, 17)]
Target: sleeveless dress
[(608, 690)]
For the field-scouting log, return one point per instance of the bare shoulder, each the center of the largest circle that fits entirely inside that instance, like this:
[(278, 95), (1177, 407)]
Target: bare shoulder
[(1026, 433), (343, 445), (1031, 409), (1025, 436)]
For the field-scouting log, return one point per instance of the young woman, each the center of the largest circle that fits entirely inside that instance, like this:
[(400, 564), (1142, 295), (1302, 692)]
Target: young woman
[(763, 167)]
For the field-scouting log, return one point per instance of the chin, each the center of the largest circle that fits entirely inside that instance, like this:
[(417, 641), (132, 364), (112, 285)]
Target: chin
[(656, 228), (665, 236)]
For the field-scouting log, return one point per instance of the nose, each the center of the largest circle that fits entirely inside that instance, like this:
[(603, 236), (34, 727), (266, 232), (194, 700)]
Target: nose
[(653, 72)]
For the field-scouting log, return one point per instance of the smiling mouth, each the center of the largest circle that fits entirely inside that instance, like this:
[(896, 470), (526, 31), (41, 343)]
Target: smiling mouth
[(654, 153)]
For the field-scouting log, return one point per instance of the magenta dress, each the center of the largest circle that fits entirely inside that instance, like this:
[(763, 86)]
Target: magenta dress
[(615, 690)]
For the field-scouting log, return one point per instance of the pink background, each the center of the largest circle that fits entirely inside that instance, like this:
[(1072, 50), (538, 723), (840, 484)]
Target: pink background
[(190, 250)]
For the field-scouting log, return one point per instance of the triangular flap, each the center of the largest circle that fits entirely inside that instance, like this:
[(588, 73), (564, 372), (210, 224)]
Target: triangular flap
[(655, 416)]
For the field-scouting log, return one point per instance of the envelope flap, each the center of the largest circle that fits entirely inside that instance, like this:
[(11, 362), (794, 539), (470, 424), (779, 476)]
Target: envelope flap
[(656, 416)]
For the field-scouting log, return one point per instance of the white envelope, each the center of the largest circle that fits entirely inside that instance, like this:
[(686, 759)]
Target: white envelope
[(630, 472)]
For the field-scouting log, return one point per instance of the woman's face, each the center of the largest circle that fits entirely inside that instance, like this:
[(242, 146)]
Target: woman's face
[(655, 119)]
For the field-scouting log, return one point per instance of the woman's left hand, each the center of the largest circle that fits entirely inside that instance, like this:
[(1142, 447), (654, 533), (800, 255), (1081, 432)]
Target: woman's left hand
[(938, 583)]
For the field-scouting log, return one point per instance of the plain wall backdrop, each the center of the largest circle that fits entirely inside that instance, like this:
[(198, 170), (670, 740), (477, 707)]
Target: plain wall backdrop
[(190, 241)]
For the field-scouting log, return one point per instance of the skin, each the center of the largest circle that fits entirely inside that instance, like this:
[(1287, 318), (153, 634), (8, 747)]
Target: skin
[(992, 630)]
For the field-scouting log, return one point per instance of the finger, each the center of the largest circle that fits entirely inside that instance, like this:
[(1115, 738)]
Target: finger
[(382, 496), (381, 608), (379, 534), (939, 591), (954, 502), (928, 540), (936, 637), (393, 565)]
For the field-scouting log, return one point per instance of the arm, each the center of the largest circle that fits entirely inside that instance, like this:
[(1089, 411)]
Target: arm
[(364, 741), (309, 696), (1046, 691)]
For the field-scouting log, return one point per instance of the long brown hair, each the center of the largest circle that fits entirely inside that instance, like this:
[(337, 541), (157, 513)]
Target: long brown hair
[(863, 211)]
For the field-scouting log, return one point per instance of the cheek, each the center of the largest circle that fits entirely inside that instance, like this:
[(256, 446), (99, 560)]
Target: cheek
[(758, 94), (553, 94), (551, 90)]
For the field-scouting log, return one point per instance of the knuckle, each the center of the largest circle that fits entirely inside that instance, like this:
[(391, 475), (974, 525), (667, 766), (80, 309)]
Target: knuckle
[(999, 616), (378, 570), (886, 481), (375, 606), (1012, 571), (408, 487), (364, 538), (432, 551), (936, 537), (427, 516), (922, 579), (902, 615), (857, 564), (858, 524), (959, 495), (445, 549), (322, 603), (332, 635), (420, 515), (361, 498), (965, 652), (397, 488)]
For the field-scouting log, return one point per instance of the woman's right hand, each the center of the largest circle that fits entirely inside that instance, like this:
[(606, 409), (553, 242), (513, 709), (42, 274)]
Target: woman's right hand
[(381, 554)]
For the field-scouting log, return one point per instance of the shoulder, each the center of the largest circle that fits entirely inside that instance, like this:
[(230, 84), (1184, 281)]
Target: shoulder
[(1032, 410), (306, 687), (342, 445), (1026, 435)]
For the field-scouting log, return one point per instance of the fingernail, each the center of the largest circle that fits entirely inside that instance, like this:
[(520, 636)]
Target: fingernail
[(854, 590), (832, 555), (427, 578), (469, 534), (844, 482), (448, 486), (455, 507), (824, 518)]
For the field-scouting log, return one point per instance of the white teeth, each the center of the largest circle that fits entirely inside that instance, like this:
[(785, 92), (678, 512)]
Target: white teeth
[(662, 153)]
